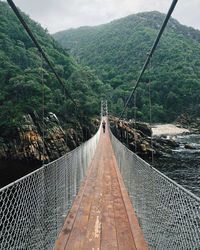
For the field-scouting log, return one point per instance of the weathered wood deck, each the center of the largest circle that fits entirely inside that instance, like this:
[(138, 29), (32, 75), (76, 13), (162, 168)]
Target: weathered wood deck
[(102, 216)]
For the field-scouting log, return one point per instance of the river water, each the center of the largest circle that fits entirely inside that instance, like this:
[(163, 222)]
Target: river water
[(183, 165), (12, 170)]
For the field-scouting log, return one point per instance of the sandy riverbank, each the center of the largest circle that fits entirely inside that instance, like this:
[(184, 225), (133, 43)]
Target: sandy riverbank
[(167, 129)]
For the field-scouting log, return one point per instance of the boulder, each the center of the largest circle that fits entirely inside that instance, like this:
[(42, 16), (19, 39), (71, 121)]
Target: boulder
[(144, 128), (189, 146)]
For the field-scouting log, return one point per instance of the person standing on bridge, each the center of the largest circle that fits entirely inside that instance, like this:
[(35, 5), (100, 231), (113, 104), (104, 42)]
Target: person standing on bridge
[(104, 126)]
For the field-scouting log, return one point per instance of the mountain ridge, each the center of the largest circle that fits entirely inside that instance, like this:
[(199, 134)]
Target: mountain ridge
[(141, 14), (22, 70), (117, 52)]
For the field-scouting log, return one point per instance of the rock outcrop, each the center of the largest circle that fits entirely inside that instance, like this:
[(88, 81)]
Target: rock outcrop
[(134, 135), (190, 122), (137, 137), (43, 140)]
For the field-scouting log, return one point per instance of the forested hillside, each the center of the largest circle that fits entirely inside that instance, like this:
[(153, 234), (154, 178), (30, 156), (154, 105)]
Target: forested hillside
[(21, 73), (117, 51)]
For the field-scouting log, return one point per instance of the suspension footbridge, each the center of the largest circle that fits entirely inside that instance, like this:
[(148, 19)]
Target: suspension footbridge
[(99, 196), (101, 216)]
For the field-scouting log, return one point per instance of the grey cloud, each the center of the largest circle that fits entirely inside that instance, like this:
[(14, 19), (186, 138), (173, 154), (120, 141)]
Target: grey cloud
[(63, 14)]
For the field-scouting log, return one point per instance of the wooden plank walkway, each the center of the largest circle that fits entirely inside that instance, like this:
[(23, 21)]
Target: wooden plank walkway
[(101, 216)]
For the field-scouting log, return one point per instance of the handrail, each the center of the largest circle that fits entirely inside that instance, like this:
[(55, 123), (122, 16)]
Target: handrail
[(32, 209), (163, 175), (168, 213)]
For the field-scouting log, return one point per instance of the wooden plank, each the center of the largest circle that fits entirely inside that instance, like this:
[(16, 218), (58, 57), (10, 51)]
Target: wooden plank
[(137, 233), (124, 234), (102, 216), (109, 235), (70, 219), (78, 233), (93, 235)]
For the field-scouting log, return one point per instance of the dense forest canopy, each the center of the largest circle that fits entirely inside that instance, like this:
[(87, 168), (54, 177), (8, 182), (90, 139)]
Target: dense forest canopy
[(22, 70), (117, 51)]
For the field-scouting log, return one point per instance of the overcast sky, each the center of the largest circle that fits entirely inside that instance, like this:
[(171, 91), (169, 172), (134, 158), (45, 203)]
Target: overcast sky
[(56, 15)]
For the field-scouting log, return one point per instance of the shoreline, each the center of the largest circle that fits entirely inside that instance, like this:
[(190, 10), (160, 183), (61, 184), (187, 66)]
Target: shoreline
[(168, 129)]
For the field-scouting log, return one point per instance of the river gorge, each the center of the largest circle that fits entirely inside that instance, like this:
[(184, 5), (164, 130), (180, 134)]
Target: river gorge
[(183, 164)]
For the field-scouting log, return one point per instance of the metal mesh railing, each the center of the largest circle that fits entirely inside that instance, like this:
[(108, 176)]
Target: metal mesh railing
[(32, 209), (168, 214)]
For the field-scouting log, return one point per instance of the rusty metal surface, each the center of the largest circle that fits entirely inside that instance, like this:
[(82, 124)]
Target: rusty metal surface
[(102, 216)]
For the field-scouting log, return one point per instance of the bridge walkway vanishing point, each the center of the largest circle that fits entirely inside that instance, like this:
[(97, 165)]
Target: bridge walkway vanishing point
[(101, 216)]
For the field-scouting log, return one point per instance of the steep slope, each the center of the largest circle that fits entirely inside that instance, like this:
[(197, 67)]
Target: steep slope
[(116, 51), (21, 74)]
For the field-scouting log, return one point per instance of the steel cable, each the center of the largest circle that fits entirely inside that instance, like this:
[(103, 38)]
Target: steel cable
[(169, 215), (172, 7), (34, 40)]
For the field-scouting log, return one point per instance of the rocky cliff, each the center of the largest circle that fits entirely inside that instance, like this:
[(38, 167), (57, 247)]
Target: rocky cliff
[(190, 122), (43, 140), (39, 141), (137, 137)]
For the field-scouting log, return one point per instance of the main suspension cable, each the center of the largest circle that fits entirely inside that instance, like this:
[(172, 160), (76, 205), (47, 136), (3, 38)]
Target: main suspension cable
[(25, 25), (150, 114), (43, 110), (172, 7), (135, 117)]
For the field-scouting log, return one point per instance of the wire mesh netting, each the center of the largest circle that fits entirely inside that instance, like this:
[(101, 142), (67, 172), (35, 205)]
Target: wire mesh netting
[(168, 214), (32, 209)]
